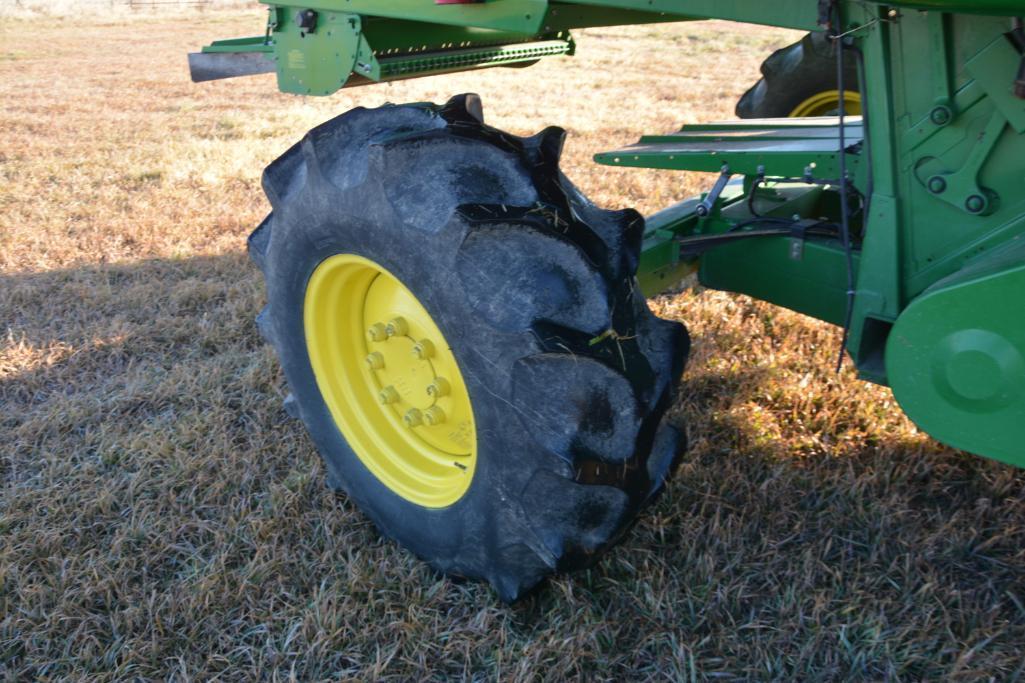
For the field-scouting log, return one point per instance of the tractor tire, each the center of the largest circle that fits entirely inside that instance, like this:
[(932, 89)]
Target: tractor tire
[(558, 376), (800, 80)]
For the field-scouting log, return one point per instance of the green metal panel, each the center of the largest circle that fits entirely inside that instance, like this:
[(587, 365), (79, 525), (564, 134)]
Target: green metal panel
[(799, 14), (808, 276), (348, 49), (319, 62), (786, 148), (519, 16), (251, 44), (998, 7), (989, 69), (956, 357), (814, 285)]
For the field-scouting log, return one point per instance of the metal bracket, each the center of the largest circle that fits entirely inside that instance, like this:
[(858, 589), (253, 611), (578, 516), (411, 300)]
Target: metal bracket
[(798, 236), (321, 62), (961, 187), (708, 203)]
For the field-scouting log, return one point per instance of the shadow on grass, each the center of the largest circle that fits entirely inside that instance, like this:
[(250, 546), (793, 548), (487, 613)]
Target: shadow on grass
[(111, 348), (158, 507)]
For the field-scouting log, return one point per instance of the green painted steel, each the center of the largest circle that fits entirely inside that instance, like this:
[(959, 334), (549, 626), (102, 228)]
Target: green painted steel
[(251, 44), (936, 173), (785, 148), (345, 49), (946, 189), (519, 16), (338, 52), (998, 7), (956, 357), (804, 275), (321, 61), (798, 14)]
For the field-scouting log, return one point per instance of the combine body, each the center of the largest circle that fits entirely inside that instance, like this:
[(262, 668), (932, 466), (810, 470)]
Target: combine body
[(937, 169), (904, 226)]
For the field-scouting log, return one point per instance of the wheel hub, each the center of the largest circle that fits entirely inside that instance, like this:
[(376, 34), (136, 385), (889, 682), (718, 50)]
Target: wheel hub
[(827, 103), (390, 380)]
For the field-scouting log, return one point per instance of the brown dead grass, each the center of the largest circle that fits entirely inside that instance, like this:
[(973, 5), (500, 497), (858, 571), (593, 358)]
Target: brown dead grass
[(161, 517)]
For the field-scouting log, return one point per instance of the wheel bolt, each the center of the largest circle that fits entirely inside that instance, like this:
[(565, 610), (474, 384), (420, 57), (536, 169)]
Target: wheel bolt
[(375, 360), (413, 418), (424, 349), (438, 388), (434, 416), (397, 327), (388, 395), (378, 332)]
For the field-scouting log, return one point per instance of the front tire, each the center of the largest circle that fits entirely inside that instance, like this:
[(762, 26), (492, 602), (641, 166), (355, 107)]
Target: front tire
[(565, 373)]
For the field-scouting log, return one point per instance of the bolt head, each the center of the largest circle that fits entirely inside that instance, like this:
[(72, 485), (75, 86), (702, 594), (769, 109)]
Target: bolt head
[(424, 349), (937, 185), (413, 418), (940, 115), (439, 387), (434, 416), (397, 327), (388, 395), (975, 203), (378, 332), (375, 360)]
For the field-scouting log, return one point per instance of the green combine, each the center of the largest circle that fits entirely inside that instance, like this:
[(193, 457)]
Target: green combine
[(466, 336)]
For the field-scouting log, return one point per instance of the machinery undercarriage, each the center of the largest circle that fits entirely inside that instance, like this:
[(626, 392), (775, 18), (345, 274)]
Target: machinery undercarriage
[(904, 225)]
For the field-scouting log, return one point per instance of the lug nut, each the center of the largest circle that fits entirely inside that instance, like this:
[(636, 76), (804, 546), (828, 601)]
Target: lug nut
[(397, 327), (388, 395), (375, 360), (424, 349), (438, 388), (413, 418), (377, 332), (434, 416)]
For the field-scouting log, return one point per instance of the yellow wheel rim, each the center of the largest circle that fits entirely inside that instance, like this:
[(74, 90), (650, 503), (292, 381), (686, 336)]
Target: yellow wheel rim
[(828, 104), (390, 380)]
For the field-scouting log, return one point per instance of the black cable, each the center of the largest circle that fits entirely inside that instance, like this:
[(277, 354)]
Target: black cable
[(845, 227), (762, 220), (696, 245), (866, 198)]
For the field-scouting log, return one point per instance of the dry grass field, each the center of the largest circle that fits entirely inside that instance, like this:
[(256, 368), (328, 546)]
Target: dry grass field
[(161, 517)]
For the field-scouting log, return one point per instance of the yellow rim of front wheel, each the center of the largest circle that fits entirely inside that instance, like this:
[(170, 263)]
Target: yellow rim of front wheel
[(390, 380), (827, 103)]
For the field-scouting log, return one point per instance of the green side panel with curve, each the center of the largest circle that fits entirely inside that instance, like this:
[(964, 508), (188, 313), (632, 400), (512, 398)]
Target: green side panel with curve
[(956, 358)]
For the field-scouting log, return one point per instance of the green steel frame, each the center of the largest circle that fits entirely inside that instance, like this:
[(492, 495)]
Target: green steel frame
[(935, 173)]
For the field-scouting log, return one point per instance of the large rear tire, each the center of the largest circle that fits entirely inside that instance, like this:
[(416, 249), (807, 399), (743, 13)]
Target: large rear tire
[(800, 80), (403, 222)]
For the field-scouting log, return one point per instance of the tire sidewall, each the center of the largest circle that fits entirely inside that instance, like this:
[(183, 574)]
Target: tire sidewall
[(433, 533)]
